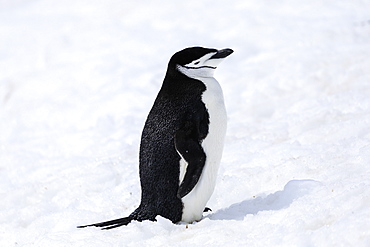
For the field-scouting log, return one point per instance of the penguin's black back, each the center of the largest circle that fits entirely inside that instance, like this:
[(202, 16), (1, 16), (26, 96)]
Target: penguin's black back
[(178, 102)]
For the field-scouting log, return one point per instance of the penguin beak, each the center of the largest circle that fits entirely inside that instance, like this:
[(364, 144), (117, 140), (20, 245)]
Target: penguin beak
[(222, 53)]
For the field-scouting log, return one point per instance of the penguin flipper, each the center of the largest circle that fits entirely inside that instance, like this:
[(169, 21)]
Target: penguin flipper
[(111, 224), (193, 153)]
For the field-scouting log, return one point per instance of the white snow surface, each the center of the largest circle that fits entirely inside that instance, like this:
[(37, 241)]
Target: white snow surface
[(78, 78)]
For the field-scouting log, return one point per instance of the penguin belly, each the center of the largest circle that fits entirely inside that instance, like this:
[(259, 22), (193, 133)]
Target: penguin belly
[(195, 202)]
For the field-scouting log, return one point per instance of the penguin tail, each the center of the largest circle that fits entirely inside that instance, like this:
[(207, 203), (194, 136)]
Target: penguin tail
[(111, 224)]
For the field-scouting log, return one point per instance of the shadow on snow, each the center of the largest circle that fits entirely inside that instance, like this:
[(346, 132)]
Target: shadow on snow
[(293, 190)]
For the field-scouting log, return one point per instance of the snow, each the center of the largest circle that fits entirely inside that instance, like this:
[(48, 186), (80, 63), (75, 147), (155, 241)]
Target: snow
[(79, 77)]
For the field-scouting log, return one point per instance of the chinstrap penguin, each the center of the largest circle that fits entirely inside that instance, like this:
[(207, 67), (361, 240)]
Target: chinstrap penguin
[(182, 141)]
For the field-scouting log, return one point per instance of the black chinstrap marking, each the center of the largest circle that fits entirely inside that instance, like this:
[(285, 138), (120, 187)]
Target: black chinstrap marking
[(201, 67)]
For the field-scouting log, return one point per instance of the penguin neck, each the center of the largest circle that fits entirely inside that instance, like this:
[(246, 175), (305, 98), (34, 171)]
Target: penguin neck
[(176, 83)]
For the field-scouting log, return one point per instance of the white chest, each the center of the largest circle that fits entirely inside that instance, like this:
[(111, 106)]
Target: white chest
[(195, 201)]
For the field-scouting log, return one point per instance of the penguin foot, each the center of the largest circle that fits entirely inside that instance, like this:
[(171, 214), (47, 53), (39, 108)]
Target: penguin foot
[(111, 224), (207, 210)]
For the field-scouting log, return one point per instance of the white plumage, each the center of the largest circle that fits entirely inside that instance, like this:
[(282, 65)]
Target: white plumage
[(195, 201)]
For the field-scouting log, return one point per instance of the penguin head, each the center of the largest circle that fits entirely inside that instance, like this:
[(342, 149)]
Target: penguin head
[(197, 62)]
